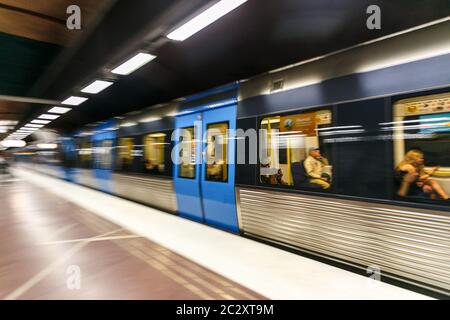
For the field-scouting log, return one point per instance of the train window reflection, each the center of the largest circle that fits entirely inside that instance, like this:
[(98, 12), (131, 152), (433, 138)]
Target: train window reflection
[(187, 168), (292, 155), (216, 152), (421, 134), (154, 152)]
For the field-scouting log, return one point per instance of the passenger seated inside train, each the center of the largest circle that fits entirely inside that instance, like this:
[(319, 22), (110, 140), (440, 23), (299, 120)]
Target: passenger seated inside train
[(153, 167), (214, 171), (314, 167), (414, 180), (275, 178)]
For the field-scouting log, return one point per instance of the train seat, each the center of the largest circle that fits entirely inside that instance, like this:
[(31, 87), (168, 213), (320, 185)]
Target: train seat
[(300, 177)]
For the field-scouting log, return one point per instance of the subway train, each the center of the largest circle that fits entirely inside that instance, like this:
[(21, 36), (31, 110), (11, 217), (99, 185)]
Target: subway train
[(363, 111)]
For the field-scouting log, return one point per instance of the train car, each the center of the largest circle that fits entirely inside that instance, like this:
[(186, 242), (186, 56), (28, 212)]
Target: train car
[(143, 158), (309, 157), (365, 109)]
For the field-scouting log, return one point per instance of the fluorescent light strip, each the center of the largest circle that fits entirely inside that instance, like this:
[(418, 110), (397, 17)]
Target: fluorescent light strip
[(204, 19), (74, 101), (40, 121), (13, 143), (48, 116), (8, 122), (34, 125), (415, 121), (134, 63), (151, 119), (421, 126), (331, 133), (59, 110), (339, 128), (47, 145), (97, 86), (128, 124)]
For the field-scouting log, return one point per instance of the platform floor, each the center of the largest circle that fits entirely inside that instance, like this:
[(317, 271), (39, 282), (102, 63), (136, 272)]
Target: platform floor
[(50, 230), (43, 237)]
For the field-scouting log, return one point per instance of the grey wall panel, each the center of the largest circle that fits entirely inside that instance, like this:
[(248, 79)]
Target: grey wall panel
[(157, 192), (405, 242)]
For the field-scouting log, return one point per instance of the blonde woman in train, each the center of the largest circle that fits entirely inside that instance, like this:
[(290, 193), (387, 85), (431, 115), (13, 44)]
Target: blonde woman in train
[(414, 177)]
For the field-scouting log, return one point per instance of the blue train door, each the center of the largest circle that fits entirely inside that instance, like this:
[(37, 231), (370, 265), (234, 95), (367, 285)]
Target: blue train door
[(217, 179), (69, 155), (204, 167), (103, 143), (187, 167)]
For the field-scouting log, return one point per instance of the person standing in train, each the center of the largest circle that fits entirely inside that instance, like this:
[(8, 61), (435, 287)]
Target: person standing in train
[(314, 165)]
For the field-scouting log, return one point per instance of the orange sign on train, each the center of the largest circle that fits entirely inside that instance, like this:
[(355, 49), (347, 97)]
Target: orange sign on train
[(304, 123)]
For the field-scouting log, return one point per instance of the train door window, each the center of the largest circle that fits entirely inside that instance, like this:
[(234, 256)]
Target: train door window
[(291, 152), (187, 168), (154, 152), (216, 152), (124, 153), (421, 133), (107, 159), (103, 154)]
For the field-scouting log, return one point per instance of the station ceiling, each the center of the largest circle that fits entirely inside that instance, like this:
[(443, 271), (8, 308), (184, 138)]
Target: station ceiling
[(41, 58)]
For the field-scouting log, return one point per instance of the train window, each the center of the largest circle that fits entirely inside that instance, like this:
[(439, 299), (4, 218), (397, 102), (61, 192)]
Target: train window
[(124, 153), (216, 152), (154, 152), (103, 154), (84, 154), (187, 169), (292, 154), (421, 135)]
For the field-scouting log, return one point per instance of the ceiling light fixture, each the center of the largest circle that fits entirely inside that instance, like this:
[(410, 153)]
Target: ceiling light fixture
[(204, 19), (13, 143), (97, 86), (74, 101), (34, 125), (48, 116), (8, 122), (59, 110), (47, 145), (134, 63), (40, 121)]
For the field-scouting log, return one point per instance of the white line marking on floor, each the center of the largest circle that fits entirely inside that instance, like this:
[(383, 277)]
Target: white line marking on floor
[(61, 231), (90, 239), (45, 272)]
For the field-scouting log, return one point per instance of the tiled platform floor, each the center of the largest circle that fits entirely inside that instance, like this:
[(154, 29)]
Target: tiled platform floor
[(47, 242)]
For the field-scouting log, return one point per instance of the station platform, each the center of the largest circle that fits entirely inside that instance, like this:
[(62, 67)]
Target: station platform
[(51, 229)]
